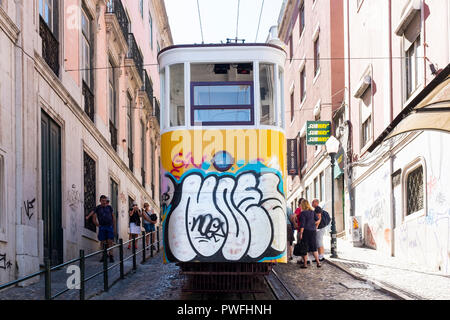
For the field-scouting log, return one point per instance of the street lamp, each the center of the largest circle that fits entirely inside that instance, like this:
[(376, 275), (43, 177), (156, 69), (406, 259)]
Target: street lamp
[(332, 146)]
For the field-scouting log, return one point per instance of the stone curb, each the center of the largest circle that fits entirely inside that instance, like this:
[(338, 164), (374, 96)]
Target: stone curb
[(383, 287)]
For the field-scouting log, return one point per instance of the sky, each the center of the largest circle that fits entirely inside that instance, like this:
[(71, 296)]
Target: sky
[(219, 17)]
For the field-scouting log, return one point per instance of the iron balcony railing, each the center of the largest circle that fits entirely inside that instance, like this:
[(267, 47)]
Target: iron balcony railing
[(143, 177), (130, 159), (116, 7), (113, 132), (156, 111), (135, 54), (50, 46), (88, 101), (47, 272), (147, 87)]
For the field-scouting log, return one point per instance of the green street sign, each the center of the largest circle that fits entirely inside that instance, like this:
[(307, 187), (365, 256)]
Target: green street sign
[(318, 132)]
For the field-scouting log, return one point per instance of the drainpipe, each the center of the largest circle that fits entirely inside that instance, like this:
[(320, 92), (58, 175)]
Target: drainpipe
[(18, 78)]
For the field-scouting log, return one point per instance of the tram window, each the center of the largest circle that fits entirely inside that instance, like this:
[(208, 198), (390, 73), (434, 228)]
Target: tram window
[(177, 95), (267, 84), (222, 103)]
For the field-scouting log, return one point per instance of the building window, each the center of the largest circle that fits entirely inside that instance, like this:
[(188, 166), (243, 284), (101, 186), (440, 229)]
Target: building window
[(415, 191), (152, 168), (46, 12), (130, 131), (112, 105), (143, 154), (291, 48), (150, 22), (302, 18), (141, 8), (316, 188), (292, 107), (308, 195), (316, 56), (322, 186), (267, 85), (86, 45), (303, 84), (48, 31), (177, 95), (412, 67), (89, 190), (303, 152), (365, 106)]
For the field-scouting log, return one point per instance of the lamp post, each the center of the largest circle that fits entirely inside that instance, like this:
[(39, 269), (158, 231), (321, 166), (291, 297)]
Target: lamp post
[(332, 146)]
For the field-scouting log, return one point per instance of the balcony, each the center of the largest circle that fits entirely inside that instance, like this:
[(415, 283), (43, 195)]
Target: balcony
[(156, 111), (88, 101), (136, 56), (116, 7), (50, 46), (113, 132), (147, 87), (143, 177)]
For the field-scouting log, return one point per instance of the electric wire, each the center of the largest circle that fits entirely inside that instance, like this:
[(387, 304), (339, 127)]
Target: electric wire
[(259, 22), (237, 19), (200, 20)]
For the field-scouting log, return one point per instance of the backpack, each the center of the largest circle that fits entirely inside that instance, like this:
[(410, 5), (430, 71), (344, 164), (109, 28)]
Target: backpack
[(325, 221)]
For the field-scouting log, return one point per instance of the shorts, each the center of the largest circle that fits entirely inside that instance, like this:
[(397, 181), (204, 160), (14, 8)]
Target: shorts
[(134, 229), (309, 237), (105, 233), (319, 237), (149, 227), (290, 234)]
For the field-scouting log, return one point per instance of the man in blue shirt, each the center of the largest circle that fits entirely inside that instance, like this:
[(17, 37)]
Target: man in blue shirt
[(105, 220)]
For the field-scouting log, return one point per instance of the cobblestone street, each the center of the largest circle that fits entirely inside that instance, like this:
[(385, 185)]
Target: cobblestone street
[(326, 283)]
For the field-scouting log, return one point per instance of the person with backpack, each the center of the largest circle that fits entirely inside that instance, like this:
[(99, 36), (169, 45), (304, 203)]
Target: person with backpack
[(105, 220), (321, 227), (149, 219)]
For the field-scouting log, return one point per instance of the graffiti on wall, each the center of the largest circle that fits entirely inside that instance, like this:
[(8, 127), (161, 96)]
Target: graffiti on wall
[(4, 263), (73, 198), (224, 217), (29, 208)]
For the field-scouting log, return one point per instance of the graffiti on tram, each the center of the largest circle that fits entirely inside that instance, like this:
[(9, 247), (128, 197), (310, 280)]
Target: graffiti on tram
[(224, 217)]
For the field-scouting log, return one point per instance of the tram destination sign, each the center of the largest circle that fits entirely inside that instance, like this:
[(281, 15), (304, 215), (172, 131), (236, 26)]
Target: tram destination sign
[(318, 132)]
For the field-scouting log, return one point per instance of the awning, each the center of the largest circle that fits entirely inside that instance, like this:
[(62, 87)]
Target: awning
[(429, 110)]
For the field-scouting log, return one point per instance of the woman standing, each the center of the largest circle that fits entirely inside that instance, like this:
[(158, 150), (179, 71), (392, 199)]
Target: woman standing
[(150, 219), (135, 223), (308, 227)]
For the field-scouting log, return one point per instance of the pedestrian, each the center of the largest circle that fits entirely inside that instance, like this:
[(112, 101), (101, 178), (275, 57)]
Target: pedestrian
[(150, 219), (135, 223), (290, 232), (297, 214), (105, 220), (321, 228), (308, 226)]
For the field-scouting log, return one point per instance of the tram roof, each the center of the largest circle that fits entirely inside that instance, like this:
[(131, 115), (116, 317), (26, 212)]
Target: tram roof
[(219, 45)]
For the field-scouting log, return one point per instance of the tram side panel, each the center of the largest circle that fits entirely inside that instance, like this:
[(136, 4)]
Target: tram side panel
[(223, 195)]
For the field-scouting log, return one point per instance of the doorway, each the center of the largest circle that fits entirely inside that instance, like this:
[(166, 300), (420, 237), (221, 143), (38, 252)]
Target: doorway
[(51, 189)]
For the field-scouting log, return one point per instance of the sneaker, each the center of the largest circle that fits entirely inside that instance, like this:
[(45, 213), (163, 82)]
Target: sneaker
[(101, 260), (321, 259), (111, 259)]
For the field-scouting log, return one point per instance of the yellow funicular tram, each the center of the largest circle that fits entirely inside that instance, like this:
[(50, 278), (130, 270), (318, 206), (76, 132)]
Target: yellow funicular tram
[(223, 154)]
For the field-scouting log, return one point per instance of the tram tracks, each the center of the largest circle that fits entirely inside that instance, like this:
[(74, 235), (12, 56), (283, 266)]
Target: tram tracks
[(278, 288)]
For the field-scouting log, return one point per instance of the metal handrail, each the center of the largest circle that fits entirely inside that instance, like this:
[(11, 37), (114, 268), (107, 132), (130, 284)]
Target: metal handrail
[(48, 269)]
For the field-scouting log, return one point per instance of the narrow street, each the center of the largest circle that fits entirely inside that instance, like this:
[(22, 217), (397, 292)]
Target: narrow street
[(157, 281)]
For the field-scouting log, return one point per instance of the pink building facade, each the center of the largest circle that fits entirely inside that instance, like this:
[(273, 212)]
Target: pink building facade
[(79, 113), (396, 188), (314, 90)]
